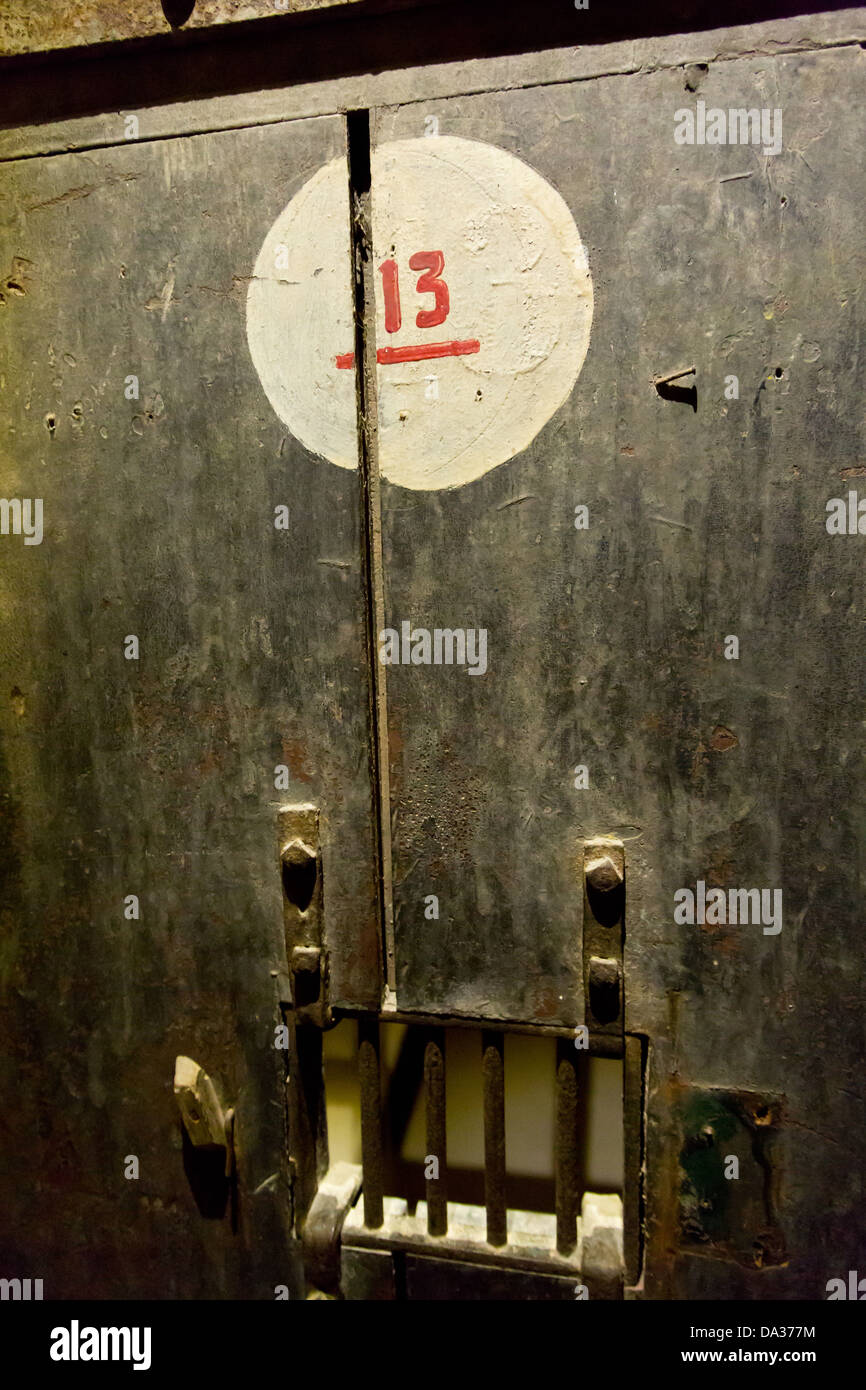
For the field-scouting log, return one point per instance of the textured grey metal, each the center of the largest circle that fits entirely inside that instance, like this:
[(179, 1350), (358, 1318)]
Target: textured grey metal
[(607, 645), (156, 777)]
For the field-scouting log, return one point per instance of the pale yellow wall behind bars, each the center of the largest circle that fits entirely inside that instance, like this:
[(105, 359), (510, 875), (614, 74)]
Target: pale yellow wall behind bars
[(529, 1105)]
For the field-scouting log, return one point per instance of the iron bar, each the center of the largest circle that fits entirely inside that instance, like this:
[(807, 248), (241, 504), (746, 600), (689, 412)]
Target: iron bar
[(371, 1120), (493, 1079), (566, 1147), (436, 1156)]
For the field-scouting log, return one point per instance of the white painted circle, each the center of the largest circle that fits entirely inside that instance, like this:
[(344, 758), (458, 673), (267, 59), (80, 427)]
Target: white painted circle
[(518, 286)]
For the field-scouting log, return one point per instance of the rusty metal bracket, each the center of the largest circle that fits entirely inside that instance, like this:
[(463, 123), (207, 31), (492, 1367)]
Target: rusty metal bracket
[(603, 931), (730, 1175), (303, 913)]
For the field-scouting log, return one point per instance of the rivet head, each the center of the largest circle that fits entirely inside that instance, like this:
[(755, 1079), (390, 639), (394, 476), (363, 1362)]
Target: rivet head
[(602, 874)]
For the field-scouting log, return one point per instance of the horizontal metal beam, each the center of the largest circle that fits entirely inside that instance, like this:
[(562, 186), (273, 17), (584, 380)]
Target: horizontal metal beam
[(599, 1044), (47, 81)]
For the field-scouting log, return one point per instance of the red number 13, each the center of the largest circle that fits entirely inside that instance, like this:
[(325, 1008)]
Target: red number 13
[(432, 264)]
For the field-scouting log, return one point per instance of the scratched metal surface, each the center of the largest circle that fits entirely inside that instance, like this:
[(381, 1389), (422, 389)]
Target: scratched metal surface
[(156, 777), (606, 645)]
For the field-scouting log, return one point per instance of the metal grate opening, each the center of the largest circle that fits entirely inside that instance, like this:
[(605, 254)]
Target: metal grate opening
[(476, 1139)]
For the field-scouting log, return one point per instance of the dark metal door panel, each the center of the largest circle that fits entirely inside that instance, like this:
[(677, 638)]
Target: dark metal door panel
[(156, 777), (606, 645)]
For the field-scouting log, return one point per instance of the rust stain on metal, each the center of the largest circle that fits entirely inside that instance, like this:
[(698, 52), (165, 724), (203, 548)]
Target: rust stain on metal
[(721, 739), (295, 757), (545, 1003)]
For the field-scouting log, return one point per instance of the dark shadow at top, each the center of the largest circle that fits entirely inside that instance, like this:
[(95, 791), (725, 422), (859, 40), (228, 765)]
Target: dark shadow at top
[(372, 36)]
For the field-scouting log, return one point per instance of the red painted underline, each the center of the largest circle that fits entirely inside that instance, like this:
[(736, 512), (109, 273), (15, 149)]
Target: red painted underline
[(416, 354)]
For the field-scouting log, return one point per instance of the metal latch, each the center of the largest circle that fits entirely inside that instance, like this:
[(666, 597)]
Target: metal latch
[(301, 876), (323, 1225), (205, 1121), (603, 929)]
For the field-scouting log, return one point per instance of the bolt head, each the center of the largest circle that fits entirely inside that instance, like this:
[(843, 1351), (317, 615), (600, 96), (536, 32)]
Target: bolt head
[(602, 874), (296, 852)]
